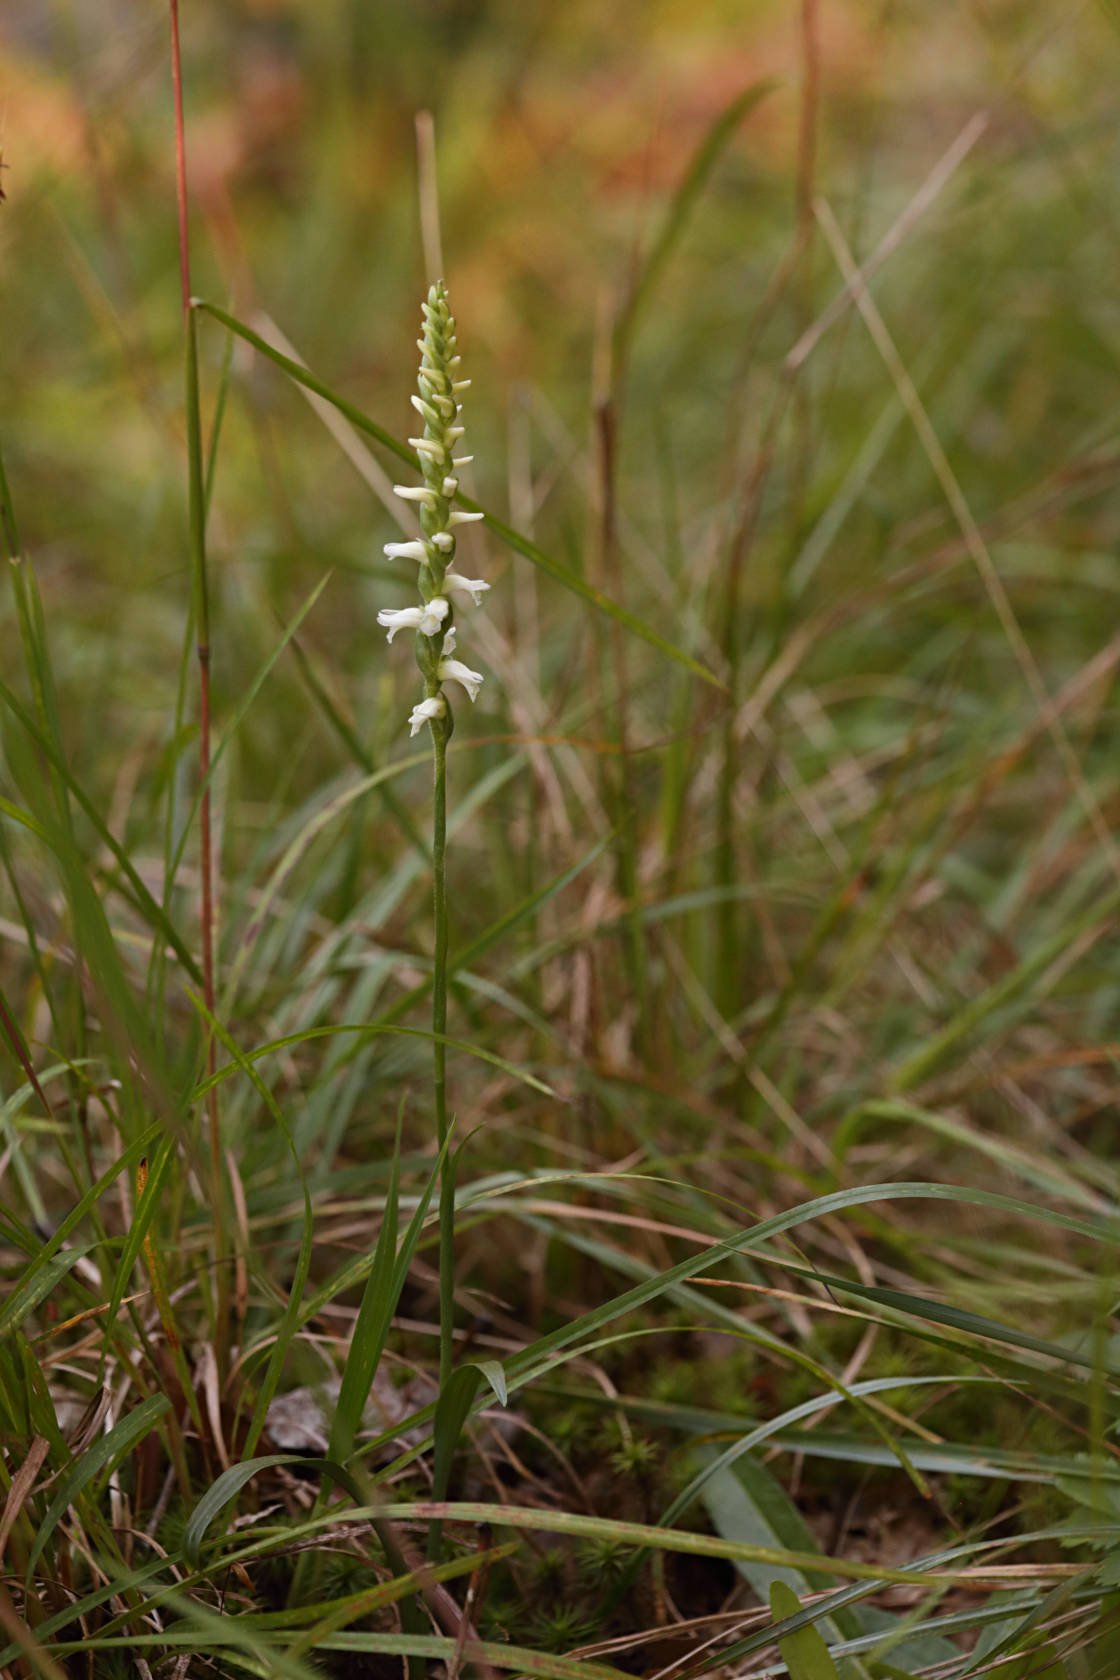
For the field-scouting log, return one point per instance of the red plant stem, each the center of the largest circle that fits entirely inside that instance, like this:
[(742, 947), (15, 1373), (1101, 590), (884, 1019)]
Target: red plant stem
[(180, 157), (808, 116), (23, 1055)]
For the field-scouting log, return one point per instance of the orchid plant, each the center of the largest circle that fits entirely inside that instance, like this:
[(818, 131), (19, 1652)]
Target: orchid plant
[(433, 621)]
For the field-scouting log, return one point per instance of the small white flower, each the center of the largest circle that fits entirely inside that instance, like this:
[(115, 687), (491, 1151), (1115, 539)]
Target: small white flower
[(444, 541), (474, 587), (424, 712), (415, 550), (453, 432), (400, 618), (427, 619), (459, 460), (455, 517), (433, 614), (414, 493), (449, 486), (459, 384), (453, 670), (425, 409)]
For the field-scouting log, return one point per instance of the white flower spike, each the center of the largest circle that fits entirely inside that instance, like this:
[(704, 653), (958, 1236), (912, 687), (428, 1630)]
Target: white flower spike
[(435, 400)]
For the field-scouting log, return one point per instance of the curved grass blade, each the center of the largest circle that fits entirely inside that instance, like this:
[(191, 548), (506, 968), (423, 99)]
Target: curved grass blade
[(680, 208), (239, 716), (298, 847), (383, 1289), (141, 897), (73, 1611), (229, 1484), (225, 1633), (102, 1455), (804, 1651), (452, 1409), (465, 958), (513, 539), (147, 1203), (371, 1327), (1042, 1175), (958, 1318), (637, 1534), (522, 1366), (619, 1260), (289, 1323), (746, 1503), (25, 1292), (369, 1030), (1002, 993)]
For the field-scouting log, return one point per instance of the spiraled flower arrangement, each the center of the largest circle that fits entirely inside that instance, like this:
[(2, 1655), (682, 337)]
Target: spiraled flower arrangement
[(440, 409), (433, 621)]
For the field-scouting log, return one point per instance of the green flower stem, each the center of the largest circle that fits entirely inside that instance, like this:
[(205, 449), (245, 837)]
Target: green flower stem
[(436, 400), (440, 733)]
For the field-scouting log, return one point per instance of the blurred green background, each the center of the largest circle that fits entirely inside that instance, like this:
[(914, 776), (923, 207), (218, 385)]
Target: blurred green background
[(561, 132), (869, 870)]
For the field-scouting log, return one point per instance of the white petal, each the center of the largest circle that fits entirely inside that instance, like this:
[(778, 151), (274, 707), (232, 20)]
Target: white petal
[(426, 710), (415, 550), (474, 587), (393, 619), (449, 642), (414, 493), (433, 615), (459, 460), (460, 384), (444, 541), (453, 432), (425, 446), (457, 518), (449, 486), (453, 670), (425, 409)]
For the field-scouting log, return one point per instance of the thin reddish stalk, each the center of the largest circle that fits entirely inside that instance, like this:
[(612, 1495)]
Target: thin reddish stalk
[(23, 1055), (180, 157), (807, 118)]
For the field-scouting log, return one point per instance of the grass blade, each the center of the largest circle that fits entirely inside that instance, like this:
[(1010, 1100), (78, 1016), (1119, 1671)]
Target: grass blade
[(102, 1455), (804, 1651), (229, 1484), (513, 539)]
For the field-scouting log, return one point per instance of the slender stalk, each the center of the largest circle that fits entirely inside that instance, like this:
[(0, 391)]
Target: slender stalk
[(197, 495), (439, 1054), (437, 402), (180, 158)]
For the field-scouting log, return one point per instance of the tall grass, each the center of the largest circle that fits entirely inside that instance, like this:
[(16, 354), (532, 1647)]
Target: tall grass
[(780, 987)]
